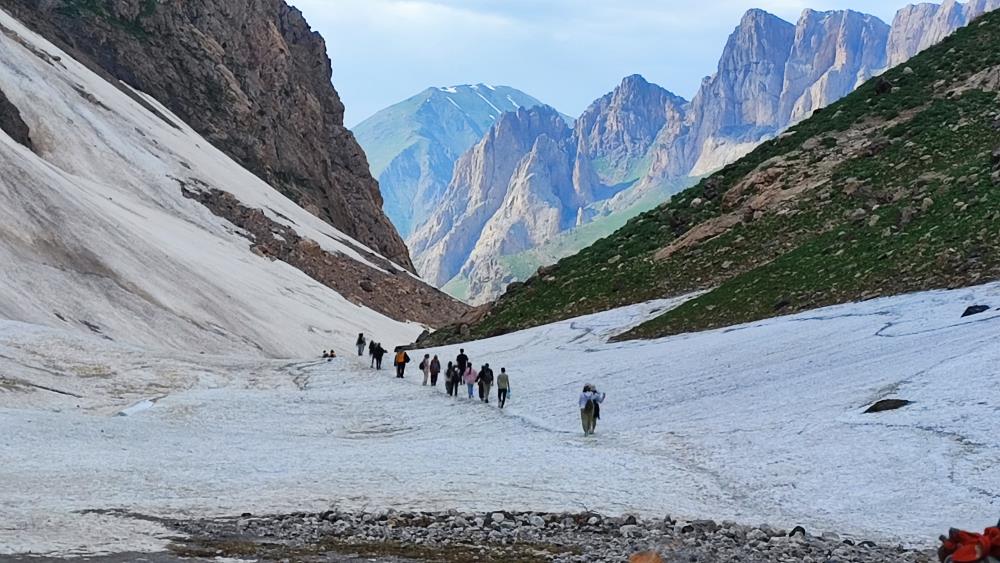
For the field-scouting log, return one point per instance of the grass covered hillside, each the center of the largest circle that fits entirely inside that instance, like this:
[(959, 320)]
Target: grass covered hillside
[(895, 188)]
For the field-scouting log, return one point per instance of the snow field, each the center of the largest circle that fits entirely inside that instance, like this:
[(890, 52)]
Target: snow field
[(759, 423)]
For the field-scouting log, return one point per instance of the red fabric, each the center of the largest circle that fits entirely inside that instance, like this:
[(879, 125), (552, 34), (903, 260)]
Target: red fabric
[(969, 547)]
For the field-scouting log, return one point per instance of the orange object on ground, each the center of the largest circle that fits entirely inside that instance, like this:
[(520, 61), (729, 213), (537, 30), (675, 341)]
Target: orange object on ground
[(646, 557), (968, 547)]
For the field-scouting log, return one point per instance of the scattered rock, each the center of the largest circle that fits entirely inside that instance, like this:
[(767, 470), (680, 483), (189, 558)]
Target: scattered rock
[(907, 70), (887, 405), (926, 204), (12, 124), (578, 538), (975, 310), (882, 86)]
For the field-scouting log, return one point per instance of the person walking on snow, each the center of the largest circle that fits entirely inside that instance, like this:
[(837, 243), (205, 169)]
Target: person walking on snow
[(590, 408), (485, 380), (462, 361), (361, 344), (402, 358), (469, 376), (372, 346), (503, 387), (425, 366), (435, 370), (377, 355), (450, 379)]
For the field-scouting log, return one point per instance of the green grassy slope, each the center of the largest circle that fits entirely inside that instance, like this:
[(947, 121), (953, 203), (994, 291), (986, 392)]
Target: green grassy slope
[(894, 188)]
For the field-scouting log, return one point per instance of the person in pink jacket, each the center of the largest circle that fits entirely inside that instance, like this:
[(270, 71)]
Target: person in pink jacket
[(470, 377)]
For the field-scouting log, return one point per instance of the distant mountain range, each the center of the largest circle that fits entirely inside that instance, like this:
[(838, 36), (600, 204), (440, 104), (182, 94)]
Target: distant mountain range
[(895, 188), (412, 146), (533, 190)]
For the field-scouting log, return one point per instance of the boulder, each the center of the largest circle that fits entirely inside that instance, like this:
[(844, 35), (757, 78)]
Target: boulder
[(887, 405), (975, 310)]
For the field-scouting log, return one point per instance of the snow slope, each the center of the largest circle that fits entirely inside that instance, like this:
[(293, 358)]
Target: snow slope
[(95, 234), (758, 423)]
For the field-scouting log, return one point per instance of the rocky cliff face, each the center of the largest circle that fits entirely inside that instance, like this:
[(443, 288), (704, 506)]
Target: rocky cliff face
[(412, 146), (251, 77), (917, 27), (618, 130), (740, 103), (478, 189), (533, 178), (833, 53)]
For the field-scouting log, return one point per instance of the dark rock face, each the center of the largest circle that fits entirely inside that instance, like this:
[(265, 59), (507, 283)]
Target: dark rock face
[(11, 122), (250, 76)]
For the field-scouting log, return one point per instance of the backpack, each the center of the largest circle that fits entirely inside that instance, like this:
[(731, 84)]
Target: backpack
[(423, 364), (966, 547), (400, 357)]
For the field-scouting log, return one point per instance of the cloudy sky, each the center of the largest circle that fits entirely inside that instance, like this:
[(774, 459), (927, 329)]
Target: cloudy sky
[(566, 53)]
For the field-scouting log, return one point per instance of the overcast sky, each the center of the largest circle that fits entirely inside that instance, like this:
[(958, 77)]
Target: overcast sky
[(566, 53)]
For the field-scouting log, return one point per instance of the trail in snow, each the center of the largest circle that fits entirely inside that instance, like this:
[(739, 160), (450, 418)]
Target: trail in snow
[(762, 423)]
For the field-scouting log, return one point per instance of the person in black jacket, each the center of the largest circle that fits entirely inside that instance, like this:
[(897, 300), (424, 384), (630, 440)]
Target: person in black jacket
[(361, 344), (485, 380), (372, 347), (377, 355), (462, 361), (450, 379)]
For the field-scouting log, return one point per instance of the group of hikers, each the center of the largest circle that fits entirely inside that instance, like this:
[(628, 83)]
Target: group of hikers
[(461, 371), (457, 373)]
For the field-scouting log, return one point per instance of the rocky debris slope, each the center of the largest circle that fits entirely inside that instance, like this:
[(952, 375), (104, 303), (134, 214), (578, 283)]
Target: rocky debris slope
[(890, 190), (507, 536), (394, 293), (251, 77)]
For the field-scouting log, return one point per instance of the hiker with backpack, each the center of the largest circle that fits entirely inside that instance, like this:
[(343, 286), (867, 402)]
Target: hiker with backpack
[(425, 367), (402, 358), (469, 376), (372, 346), (435, 370), (450, 380), (503, 387), (361, 344), (485, 380), (590, 408), (377, 355)]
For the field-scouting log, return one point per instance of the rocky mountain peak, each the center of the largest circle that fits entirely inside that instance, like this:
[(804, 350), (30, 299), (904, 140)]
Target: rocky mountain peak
[(618, 130)]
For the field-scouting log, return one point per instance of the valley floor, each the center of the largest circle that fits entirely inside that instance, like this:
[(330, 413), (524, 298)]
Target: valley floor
[(758, 423)]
